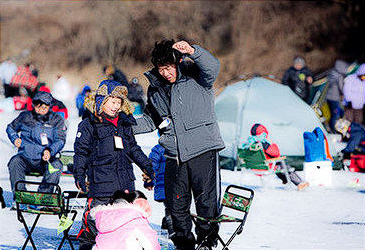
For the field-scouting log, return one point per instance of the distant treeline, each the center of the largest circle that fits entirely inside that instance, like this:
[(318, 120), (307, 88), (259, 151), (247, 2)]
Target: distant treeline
[(247, 36)]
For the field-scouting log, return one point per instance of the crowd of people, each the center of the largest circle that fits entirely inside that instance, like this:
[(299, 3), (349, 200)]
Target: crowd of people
[(105, 148), (183, 166), (345, 97)]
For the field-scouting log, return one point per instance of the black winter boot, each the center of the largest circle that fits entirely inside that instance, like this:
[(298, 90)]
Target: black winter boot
[(183, 242), (282, 177)]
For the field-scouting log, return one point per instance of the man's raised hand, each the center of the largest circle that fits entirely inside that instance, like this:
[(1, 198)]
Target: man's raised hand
[(184, 47)]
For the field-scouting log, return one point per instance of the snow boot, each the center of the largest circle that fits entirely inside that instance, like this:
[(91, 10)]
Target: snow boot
[(183, 242), (282, 177)]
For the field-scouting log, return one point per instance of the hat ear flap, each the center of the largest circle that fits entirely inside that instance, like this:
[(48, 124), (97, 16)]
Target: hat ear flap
[(102, 90), (127, 107), (89, 102)]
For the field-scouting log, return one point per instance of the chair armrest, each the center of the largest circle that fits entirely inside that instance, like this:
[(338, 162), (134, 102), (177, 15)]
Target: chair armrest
[(280, 158)]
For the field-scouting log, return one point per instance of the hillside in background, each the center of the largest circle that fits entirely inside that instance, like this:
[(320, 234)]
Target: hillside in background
[(77, 38)]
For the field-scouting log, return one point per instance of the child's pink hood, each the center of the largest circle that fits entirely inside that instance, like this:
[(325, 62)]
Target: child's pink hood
[(123, 226), (111, 217)]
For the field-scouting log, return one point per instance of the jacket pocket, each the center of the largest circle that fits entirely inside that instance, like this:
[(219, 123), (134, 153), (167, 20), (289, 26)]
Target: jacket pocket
[(191, 124), (103, 171), (105, 143)]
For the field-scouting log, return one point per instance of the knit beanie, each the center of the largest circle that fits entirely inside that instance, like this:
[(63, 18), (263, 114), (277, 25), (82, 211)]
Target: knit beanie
[(258, 129), (300, 60)]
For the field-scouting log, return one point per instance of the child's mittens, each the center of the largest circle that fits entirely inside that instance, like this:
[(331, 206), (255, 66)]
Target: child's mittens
[(143, 203)]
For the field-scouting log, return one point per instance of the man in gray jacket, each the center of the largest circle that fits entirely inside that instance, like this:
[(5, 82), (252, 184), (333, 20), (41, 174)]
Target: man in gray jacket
[(180, 104)]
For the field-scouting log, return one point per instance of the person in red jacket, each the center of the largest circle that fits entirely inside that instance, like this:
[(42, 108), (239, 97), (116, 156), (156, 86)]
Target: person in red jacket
[(271, 150)]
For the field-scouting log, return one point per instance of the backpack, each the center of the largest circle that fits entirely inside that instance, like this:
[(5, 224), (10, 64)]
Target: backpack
[(314, 145)]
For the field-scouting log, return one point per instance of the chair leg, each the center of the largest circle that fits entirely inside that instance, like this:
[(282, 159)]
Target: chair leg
[(238, 231), (286, 172), (66, 235), (29, 233), (225, 246)]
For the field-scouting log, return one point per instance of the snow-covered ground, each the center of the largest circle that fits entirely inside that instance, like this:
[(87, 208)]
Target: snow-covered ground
[(280, 217)]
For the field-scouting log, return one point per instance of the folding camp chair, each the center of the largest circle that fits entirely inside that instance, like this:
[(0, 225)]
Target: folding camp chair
[(235, 198), (253, 159), (50, 203), (73, 195)]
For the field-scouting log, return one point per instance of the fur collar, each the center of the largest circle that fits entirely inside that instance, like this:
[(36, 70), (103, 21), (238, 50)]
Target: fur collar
[(119, 205)]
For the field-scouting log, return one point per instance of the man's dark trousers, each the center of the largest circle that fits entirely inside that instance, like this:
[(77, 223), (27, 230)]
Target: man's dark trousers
[(199, 175), (19, 166)]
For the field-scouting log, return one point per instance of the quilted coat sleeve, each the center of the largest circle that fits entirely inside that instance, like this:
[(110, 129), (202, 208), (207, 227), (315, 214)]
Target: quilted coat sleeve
[(82, 147)]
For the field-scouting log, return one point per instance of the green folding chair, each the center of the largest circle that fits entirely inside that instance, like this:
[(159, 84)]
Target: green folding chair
[(253, 160), (49, 203), (235, 198)]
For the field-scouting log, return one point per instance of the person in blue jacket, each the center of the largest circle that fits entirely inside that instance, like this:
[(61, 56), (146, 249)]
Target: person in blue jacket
[(39, 135), (80, 98), (158, 164), (104, 150), (354, 133)]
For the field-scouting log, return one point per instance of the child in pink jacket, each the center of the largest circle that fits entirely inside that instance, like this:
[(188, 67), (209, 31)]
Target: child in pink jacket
[(123, 224)]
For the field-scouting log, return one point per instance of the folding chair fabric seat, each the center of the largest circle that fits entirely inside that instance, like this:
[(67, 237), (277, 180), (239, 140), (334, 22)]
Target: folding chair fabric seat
[(231, 200), (221, 218), (50, 203), (254, 160)]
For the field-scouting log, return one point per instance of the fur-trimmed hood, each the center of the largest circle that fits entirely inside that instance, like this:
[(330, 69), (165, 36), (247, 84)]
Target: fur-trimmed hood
[(111, 217)]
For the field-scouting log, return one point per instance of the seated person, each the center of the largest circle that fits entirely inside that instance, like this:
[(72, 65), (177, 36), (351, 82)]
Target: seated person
[(355, 134), (56, 105), (259, 133), (39, 135)]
